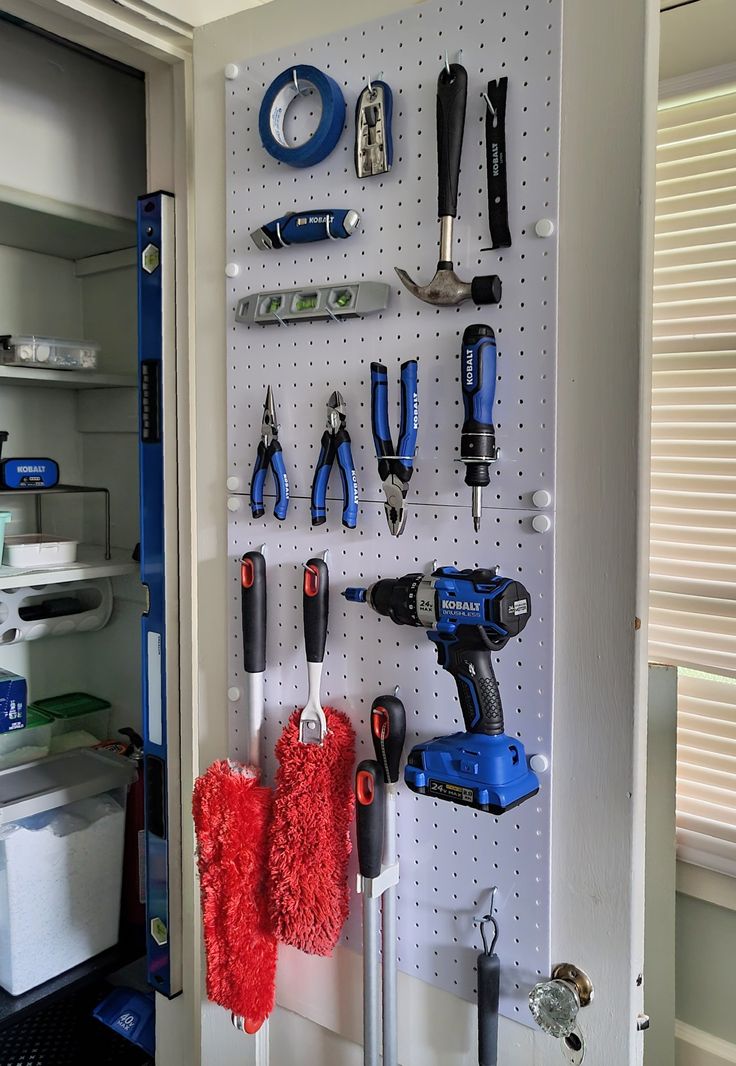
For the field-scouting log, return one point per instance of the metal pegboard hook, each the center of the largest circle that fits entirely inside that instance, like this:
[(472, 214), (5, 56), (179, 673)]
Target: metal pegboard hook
[(489, 105), (297, 89), (486, 920)]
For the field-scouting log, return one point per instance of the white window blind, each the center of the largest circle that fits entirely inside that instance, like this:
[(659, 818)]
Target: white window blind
[(693, 499)]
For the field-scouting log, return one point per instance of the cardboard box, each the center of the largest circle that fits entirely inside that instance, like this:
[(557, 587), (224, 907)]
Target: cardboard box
[(13, 701)]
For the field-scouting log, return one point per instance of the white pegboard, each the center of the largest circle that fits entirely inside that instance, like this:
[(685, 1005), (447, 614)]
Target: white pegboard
[(450, 857)]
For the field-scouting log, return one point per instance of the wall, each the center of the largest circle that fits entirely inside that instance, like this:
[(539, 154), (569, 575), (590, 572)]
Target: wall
[(693, 38), (45, 90), (598, 733)]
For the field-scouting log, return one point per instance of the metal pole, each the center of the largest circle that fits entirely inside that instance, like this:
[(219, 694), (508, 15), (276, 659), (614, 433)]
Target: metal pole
[(388, 937), (370, 981)]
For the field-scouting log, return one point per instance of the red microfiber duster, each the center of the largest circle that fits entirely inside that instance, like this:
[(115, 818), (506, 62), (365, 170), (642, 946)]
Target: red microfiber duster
[(313, 805), (232, 813)]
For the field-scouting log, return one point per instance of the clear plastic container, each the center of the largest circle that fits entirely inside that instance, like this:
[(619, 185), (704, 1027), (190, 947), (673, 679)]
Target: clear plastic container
[(38, 549), (49, 352), (79, 720), (25, 745), (5, 517)]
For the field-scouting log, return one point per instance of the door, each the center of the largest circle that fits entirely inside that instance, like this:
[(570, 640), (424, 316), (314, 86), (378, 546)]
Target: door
[(595, 612)]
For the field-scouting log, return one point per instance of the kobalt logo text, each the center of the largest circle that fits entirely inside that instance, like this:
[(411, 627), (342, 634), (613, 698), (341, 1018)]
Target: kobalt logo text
[(415, 399), (355, 487), (495, 161), (469, 368), (31, 469), (463, 605)]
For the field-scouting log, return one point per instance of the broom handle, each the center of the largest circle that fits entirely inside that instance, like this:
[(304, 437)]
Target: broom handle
[(253, 605)]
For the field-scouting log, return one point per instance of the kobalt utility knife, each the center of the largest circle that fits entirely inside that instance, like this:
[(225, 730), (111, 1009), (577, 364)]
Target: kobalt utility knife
[(301, 227)]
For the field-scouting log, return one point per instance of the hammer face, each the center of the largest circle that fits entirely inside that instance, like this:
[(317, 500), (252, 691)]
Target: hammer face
[(444, 290)]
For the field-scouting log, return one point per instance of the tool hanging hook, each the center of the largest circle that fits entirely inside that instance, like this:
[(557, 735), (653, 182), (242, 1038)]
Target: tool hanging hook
[(447, 65), (300, 92), (489, 105), (488, 919)]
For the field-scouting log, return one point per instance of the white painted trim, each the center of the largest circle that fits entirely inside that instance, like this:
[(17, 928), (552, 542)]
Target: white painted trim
[(709, 885), (697, 1048), (689, 87)]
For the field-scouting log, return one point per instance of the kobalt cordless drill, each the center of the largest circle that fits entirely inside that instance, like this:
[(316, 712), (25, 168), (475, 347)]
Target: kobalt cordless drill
[(469, 615)]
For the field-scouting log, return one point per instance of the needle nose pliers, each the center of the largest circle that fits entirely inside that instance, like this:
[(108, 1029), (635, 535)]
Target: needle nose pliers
[(335, 443), (395, 466), (269, 454)]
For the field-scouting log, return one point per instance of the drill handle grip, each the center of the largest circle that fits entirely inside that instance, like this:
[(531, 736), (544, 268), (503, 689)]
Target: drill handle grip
[(477, 689)]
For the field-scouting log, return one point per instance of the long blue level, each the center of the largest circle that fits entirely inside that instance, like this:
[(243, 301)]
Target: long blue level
[(159, 574)]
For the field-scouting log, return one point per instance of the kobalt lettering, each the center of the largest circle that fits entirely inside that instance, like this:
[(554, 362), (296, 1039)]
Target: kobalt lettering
[(495, 162), (416, 410), (463, 605), (31, 469), (469, 368)]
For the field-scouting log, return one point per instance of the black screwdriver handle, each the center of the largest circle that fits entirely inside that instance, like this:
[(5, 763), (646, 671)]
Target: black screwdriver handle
[(316, 608), (489, 983), (388, 729), (253, 607), (452, 94), (369, 807)]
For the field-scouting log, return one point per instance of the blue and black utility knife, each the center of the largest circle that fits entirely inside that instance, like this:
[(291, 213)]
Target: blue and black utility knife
[(302, 227)]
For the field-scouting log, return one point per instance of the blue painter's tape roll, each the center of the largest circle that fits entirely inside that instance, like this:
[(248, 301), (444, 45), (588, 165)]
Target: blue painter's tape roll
[(279, 95)]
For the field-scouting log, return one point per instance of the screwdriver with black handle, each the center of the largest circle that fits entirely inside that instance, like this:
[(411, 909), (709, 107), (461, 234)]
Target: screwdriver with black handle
[(369, 817), (388, 729), (478, 435)]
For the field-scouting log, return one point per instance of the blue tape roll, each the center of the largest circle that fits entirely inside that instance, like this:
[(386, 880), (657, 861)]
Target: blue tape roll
[(275, 104)]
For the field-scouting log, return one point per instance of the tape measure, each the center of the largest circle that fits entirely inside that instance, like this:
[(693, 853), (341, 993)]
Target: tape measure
[(280, 94)]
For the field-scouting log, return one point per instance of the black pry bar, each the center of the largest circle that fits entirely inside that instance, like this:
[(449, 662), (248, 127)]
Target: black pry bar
[(498, 204)]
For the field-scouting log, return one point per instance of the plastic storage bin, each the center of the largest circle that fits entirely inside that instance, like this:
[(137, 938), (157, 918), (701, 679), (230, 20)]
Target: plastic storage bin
[(62, 825), (78, 719), (49, 352), (25, 745), (38, 549), (5, 517)]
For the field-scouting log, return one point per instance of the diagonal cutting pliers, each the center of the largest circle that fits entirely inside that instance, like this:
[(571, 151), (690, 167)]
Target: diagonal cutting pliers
[(395, 465), (335, 444), (269, 454)]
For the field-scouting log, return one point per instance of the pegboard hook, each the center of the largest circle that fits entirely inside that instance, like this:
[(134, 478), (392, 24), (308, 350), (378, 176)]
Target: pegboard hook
[(447, 65), (488, 919), (300, 92), (489, 105)]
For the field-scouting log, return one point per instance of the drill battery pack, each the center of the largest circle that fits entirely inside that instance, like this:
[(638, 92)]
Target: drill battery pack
[(489, 773), (29, 473)]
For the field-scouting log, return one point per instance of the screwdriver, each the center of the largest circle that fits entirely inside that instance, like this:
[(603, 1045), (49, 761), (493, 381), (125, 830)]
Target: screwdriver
[(478, 435)]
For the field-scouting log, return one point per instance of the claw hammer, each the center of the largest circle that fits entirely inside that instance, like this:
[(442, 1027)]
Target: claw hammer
[(446, 289)]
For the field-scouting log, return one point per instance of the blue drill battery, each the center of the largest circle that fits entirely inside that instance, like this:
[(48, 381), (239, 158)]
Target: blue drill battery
[(13, 701), (29, 473)]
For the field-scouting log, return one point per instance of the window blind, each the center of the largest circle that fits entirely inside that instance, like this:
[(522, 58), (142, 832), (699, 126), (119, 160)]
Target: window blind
[(693, 465)]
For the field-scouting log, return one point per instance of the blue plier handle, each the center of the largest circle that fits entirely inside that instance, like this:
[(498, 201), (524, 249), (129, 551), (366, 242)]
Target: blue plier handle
[(269, 453), (335, 444), (269, 456), (395, 465)]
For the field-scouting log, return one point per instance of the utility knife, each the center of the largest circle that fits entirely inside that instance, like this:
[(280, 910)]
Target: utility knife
[(302, 227)]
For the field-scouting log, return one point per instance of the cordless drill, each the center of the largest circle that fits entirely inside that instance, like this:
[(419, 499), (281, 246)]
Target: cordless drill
[(469, 615)]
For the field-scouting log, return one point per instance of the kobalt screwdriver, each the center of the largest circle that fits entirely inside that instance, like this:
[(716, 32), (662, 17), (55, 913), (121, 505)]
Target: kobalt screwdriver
[(478, 435)]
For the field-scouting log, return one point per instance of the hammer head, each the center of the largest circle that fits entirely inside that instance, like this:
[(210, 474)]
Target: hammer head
[(447, 290)]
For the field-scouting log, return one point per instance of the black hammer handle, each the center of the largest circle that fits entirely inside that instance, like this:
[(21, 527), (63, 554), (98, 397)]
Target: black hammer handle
[(253, 599), (452, 94), (316, 608)]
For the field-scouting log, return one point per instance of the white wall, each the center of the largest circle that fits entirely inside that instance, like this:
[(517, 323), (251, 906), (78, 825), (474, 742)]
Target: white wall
[(73, 128), (697, 37)]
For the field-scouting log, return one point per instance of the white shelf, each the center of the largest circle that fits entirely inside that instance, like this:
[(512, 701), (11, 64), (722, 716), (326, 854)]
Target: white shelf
[(91, 563), (52, 227), (38, 377)]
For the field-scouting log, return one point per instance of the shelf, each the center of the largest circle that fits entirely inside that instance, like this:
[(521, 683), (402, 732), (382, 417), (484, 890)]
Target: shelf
[(91, 563), (64, 379), (40, 224)]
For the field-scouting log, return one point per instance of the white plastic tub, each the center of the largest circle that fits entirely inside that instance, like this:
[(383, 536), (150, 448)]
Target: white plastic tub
[(38, 549), (25, 745), (61, 864), (50, 352)]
